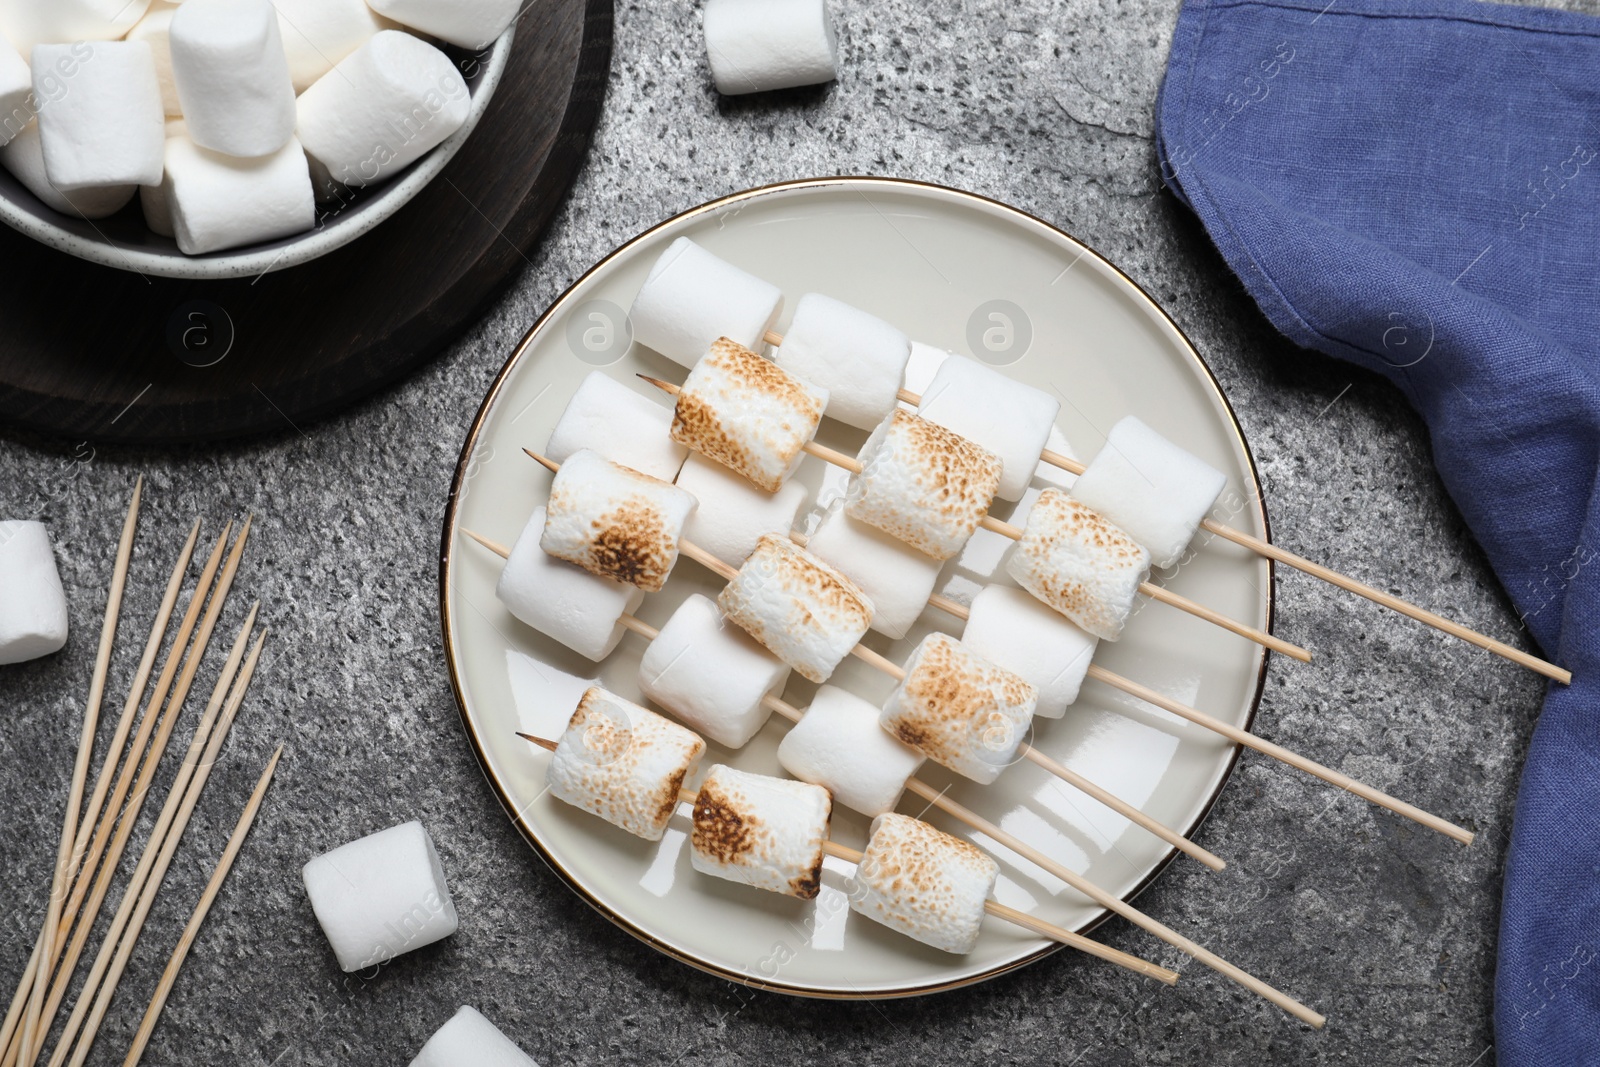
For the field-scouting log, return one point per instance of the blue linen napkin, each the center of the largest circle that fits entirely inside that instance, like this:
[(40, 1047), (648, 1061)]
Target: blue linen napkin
[(1415, 187)]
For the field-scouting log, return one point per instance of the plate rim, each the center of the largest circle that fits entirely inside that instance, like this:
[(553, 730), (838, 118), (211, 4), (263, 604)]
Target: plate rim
[(449, 539)]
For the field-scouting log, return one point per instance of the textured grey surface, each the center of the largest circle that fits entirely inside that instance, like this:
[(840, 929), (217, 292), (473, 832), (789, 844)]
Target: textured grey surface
[(1045, 104)]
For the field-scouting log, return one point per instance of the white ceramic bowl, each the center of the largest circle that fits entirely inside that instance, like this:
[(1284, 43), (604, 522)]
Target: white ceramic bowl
[(123, 241)]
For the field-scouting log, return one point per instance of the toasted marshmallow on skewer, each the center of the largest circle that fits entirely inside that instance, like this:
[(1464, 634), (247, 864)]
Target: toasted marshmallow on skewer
[(623, 763), (561, 600), (858, 358), (615, 522), (761, 831), (622, 425), (808, 614), (839, 745), (747, 413), (1012, 630), (896, 577), (923, 882), (692, 297), (1074, 560), (733, 514), (1009, 418)]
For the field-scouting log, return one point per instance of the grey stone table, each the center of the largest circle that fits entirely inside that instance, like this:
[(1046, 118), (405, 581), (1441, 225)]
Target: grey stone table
[(1045, 104)]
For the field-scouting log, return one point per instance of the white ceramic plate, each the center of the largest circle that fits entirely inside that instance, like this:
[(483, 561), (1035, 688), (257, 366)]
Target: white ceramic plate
[(925, 258)]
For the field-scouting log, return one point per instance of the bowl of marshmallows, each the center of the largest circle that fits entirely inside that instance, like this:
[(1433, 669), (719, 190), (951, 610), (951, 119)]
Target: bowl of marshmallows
[(226, 138)]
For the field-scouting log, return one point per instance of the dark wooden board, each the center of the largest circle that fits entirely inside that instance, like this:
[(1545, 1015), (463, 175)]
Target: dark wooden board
[(92, 353)]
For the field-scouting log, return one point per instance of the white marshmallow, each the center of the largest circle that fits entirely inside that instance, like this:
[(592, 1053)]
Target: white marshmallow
[(563, 601), (381, 896), (692, 297), (232, 76), (761, 831), (381, 108), (100, 114), (1154, 490), (318, 33), (218, 201), (619, 423), (23, 156), (710, 674), (839, 745), (464, 23), (33, 606), (623, 763), (756, 45), (858, 358), (923, 484), (1012, 630), (923, 882), (747, 414), (31, 22), (470, 1039), (896, 577), (805, 612), (733, 514), (155, 30), (153, 202), (1071, 558), (615, 522), (1001, 414), (16, 85), (960, 710)]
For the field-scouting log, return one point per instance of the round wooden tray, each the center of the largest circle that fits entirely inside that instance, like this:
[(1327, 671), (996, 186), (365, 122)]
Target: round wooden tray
[(92, 353)]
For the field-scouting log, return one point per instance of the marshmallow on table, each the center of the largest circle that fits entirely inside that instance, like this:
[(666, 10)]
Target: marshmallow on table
[(756, 45), (1012, 630), (761, 831), (23, 156), (463, 23), (562, 601), (33, 606), (381, 108), (318, 33), (232, 76), (748, 414), (839, 745), (1154, 490), (897, 578), (470, 1040), (1071, 558), (710, 674), (623, 763), (733, 514), (100, 115), (31, 22), (1001, 414), (805, 612), (381, 896), (924, 883), (16, 84), (691, 298), (960, 710), (621, 424), (218, 201), (923, 484), (155, 30), (615, 522), (858, 358)]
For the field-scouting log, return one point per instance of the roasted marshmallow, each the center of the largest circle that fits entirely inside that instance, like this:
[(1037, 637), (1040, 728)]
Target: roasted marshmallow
[(805, 612), (615, 522), (923, 484), (924, 883), (761, 831), (1071, 558), (995, 412)]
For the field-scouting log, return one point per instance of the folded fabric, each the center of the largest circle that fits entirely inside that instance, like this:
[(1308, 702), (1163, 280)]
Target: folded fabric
[(1415, 187)]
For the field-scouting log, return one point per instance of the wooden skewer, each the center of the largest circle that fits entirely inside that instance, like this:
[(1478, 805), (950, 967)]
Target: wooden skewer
[(169, 977), (1015, 533)]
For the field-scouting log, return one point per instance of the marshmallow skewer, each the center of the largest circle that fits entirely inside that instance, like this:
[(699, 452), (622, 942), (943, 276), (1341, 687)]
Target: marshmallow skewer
[(1014, 533)]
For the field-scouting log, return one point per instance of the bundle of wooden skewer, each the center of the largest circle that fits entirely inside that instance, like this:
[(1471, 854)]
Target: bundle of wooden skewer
[(99, 822)]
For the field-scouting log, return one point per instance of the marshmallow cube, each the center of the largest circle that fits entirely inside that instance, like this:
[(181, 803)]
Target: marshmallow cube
[(619, 423), (31, 22), (805, 612), (858, 358), (733, 514), (318, 33), (1154, 490), (923, 484), (960, 710), (381, 108), (33, 606), (615, 522), (563, 601), (757, 45), (380, 896), (711, 675), (924, 883), (16, 85), (1012, 630), (761, 831), (1071, 558), (218, 201), (23, 156), (100, 116), (839, 745), (464, 23), (748, 414), (692, 297), (155, 30), (998, 413), (232, 76), (623, 763), (153, 202), (469, 1038), (897, 578)]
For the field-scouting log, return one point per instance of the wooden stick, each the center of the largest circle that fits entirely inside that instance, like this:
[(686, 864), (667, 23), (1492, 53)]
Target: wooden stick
[(169, 977)]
